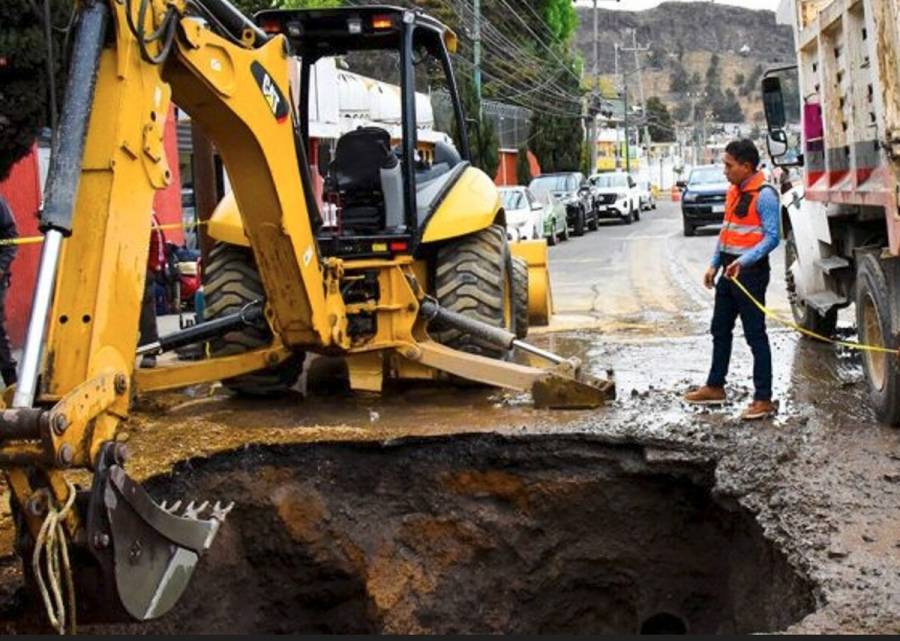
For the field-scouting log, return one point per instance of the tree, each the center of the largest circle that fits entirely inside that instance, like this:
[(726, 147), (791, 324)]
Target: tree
[(484, 144), (659, 121), (523, 168), (729, 108), (24, 75), (679, 79)]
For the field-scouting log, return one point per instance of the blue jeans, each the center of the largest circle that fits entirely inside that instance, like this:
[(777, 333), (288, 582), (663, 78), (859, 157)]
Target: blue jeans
[(731, 303)]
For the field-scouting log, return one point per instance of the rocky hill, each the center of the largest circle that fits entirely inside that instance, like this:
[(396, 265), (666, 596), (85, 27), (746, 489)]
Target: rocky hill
[(685, 36)]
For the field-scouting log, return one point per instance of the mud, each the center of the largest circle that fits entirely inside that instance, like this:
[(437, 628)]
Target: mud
[(477, 534), (394, 507)]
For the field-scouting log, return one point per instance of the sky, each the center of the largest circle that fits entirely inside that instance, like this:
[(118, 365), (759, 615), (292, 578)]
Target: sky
[(639, 5)]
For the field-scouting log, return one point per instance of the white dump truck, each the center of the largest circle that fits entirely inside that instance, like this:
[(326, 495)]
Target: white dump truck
[(840, 211)]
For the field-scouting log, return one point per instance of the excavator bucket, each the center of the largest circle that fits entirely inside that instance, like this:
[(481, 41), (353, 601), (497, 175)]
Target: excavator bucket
[(540, 300), (144, 552)]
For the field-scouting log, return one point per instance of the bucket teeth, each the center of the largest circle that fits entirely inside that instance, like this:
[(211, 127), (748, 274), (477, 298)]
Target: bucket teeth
[(220, 511), (193, 510)]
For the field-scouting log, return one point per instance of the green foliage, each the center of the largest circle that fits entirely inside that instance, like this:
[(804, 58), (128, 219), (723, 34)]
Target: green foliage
[(660, 123), (751, 82), (24, 79), (560, 16), (739, 79), (250, 7), (523, 169), (484, 144)]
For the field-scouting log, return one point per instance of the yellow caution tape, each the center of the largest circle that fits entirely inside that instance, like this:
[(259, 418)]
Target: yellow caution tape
[(33, 240), (848, 344)]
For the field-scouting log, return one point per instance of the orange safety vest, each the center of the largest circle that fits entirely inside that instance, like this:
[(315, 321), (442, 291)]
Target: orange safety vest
[(742, 228)]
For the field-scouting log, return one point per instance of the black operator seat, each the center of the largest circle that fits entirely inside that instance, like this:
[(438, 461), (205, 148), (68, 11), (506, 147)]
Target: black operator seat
[(355, 177)]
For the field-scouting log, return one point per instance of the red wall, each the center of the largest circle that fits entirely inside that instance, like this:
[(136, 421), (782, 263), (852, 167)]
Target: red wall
[(22, 190), (167, 202), (506, 169)]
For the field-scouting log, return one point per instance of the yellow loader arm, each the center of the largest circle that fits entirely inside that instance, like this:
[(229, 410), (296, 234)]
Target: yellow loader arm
[(129, 62)]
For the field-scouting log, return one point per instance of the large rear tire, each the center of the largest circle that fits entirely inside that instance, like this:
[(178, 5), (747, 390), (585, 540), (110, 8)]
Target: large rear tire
[(805, 316), (472, 278), (520, 295), (873, 317), (579, 222), (232, 281)]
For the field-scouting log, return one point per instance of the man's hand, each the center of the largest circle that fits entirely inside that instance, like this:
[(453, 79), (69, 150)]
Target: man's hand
[(733, 270), (709, 278)]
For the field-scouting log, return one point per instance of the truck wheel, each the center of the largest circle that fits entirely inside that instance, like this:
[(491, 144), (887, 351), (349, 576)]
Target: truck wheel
[(595, 220), (579, 222), (689, 229), (805, 316), (630, 217), (873, 317), (231, 281), (473, 278), (520, 295)]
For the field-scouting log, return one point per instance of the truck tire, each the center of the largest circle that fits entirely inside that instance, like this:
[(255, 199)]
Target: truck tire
[(689, 229), (231, 281), (805, 316), (472, 278), (520, 295), (873, 317)]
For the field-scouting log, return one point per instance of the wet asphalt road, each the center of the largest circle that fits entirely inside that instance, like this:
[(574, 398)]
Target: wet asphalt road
[(822, 479)]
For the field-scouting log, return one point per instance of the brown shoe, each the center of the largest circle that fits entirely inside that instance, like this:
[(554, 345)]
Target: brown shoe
[(706, 395), (759, 409)]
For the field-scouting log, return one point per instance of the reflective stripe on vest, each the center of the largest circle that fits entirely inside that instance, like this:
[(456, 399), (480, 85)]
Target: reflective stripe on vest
[(740, 234)]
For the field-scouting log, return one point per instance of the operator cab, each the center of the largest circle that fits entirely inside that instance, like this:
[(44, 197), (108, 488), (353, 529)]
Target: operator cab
[(387, 171)]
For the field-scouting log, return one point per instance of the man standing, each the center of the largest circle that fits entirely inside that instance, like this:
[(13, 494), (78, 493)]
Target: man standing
[(750, 231), (8, 231)]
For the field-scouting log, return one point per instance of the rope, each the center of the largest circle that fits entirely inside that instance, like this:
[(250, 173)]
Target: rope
[(848, 344), (52, 541), (34, 240)]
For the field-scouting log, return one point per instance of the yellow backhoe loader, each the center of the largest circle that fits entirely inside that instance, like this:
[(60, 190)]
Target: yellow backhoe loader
[(416, 278)]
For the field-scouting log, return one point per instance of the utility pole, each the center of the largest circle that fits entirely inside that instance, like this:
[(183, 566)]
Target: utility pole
[(592, 128), (636, 49), (476, 47), (618, 89), (639, 67), (627, 142)]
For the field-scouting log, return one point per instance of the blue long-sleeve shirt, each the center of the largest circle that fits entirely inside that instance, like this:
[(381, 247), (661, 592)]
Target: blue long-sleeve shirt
[(770, 215)]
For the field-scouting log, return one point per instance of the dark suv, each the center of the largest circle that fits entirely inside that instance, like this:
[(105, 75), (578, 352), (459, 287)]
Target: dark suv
[(703, 197), (572, 190)]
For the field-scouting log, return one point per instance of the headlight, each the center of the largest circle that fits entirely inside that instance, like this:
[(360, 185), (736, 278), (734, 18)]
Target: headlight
[(689, 197)]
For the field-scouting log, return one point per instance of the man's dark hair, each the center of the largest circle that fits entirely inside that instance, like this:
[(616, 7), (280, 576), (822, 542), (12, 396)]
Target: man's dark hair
[(743, 150)]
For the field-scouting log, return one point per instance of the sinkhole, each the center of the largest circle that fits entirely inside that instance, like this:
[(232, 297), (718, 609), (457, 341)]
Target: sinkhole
[(477, 533)]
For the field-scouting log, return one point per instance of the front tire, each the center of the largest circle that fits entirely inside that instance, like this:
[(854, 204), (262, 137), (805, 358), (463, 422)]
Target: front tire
[(689, 229), (873, 317), (472, 278), (232, 282), (805, 316), (595, 220), (579, 222), (630, 217)]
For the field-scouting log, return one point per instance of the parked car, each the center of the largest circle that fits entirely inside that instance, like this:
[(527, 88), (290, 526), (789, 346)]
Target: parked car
[(645, 193), (524, 213), (618, 195), (703, 197), (555, 226), (571, 188)]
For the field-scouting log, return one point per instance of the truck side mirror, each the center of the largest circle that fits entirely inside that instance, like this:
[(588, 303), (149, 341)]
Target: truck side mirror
[(773, 102), (776, 143)]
